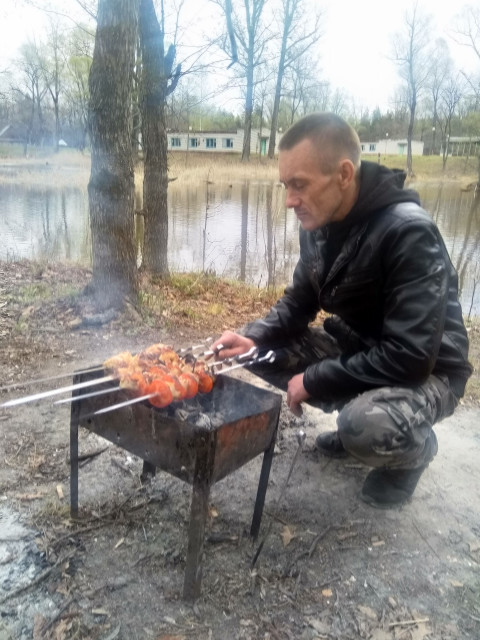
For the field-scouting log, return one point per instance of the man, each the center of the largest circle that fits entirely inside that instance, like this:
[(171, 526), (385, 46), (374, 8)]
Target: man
[(393, 355)]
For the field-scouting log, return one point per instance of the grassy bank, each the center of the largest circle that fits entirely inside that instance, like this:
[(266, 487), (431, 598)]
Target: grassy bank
[(181, 309), (72, 167)]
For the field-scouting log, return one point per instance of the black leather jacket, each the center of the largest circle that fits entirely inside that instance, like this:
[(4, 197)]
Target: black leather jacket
[(390, 279)]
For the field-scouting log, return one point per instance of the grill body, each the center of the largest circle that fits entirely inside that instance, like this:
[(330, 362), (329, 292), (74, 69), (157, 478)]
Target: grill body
[(199, 455)]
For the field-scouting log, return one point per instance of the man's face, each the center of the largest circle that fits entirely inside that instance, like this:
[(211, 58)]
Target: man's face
[(316, 198)]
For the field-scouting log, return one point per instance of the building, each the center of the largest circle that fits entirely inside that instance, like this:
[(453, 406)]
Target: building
[(232, 142), (390, 147), (218, 141), (461, 146)]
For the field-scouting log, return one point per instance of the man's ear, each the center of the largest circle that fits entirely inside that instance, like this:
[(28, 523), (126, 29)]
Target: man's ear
[(346, 173)]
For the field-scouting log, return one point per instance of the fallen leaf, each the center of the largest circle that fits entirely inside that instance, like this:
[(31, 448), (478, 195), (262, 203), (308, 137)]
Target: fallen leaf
[(27, 312), (38, 624), (61, 629), (213, 513), (327, 593), (60, 492), (378, 543), (319, 626), (287, 535), (368, 612), (456, 583)]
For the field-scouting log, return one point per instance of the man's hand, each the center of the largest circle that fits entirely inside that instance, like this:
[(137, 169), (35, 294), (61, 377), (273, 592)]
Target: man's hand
[(232, 344), (296, 394)]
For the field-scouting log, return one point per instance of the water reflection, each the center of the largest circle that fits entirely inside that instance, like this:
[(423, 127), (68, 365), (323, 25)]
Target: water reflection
[(238, 230), (38, 223), (457, 214)]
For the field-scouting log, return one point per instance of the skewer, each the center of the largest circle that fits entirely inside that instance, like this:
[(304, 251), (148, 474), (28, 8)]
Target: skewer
[(26, 383), (124, 404), (88, 395), (54, 392), (194, 347), (268, 357)]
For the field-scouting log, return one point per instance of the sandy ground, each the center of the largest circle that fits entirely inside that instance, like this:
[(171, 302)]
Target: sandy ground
[(330, 567)]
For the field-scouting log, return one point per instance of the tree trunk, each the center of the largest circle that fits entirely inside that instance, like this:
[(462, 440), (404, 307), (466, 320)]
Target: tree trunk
[(274, 123), (279, 83), (154, 86), (111, 186), (411, 123), (57, 124), (247, 128)]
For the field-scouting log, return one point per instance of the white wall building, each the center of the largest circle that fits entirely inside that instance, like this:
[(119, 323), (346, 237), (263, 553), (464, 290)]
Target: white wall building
[(232, 142), (218, 141), (390, 147)]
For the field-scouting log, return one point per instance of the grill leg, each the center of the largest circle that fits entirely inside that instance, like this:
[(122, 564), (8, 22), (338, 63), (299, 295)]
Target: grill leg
[(74, 415), (205, 448), (263, 484), (149, 471)]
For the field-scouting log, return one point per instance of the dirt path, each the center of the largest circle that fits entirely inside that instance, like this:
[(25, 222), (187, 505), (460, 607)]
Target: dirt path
[(331, 566)]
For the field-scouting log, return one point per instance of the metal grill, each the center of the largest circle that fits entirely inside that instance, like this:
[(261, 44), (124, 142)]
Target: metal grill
[(199, 453)]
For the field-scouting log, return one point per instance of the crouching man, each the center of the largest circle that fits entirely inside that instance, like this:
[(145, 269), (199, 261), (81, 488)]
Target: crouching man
[(392, 357)]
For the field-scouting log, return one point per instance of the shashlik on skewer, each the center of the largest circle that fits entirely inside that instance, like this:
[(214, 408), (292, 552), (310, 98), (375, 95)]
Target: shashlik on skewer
[(159, 370)]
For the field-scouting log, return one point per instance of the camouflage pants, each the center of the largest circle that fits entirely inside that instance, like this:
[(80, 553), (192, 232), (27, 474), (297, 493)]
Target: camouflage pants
[(382, 427)]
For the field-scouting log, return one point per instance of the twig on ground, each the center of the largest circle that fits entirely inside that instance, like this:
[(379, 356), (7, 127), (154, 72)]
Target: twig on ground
[(86, 458), (404, 623)]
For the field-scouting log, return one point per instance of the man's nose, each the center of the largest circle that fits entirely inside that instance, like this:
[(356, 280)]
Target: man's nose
[(291, 200)]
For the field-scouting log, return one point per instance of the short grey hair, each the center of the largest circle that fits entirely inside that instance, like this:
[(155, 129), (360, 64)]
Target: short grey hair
[(332, 136)]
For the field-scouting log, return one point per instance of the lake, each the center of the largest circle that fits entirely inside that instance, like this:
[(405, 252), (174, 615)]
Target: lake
[(239, 230)]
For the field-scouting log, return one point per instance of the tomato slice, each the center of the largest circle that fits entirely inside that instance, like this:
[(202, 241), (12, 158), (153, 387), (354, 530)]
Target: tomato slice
[(177, 389), (189, 381), (205, 379), (163, 393)]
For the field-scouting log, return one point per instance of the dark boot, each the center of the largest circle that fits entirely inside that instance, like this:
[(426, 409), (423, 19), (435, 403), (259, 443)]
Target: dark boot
[(330, 445), (387, 488)]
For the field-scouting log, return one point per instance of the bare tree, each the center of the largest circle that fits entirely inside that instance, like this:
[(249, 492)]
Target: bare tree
[(439, 73), (450, 97), (52, 65), (79, 55), (411, 54), (247, 30), (467, 34), (467, 29), (302, 92), (298, 35), (33, 91), (111, 186)]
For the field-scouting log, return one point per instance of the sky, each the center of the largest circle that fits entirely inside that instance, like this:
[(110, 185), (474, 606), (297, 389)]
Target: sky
[(356, 51), (355, 46)]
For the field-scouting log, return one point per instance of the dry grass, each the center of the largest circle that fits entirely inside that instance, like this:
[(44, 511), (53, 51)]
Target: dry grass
[(430, 167), (72, 168), (196, 301), (200, 167)]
